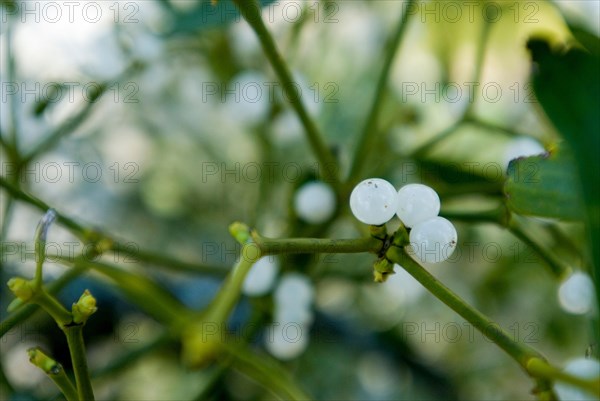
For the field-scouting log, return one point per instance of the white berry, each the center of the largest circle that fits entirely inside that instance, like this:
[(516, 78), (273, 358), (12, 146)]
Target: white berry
[(576, 294), (261, 276), (417, 203), (374, 201), (588, 369), (294, 289), (293, 313), (286, 341), (314, 202), (433, 240)]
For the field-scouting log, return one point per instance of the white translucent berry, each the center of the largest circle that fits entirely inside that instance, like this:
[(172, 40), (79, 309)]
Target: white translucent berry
[(522, 147), (433, 240), (576, 294), (314, 202), (261, 276), (247, 100), (294, 289), (293, 313), (286, 341), (588, 369), (374, 201), (417, 203)]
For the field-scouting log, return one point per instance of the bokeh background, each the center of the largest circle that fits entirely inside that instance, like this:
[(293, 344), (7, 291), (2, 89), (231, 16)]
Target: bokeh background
[(193, 132)]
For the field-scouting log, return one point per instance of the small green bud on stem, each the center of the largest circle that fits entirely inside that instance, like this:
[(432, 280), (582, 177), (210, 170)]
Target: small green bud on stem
[(240, 231), (382, 269), (84, 308), (22, 288)]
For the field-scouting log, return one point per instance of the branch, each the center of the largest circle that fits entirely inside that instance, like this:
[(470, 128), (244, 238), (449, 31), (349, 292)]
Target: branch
[(530, 359), (250, 10), (105, 242), (369, 133)]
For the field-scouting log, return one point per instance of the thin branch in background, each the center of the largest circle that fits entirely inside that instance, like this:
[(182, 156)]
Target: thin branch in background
[(105, 242), (14, 106), (250, 10), (467, 115), (370, 132)]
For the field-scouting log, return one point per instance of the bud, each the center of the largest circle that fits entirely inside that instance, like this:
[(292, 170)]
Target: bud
[(382, 269), (240, 231), (21, 288), (43, 361), (84, 308)]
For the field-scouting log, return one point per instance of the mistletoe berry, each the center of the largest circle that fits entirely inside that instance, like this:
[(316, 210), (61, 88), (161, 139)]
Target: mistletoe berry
[(374, 201)]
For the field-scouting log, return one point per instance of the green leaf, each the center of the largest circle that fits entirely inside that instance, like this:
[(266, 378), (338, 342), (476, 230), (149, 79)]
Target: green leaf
[(545, 186), (567, 85)]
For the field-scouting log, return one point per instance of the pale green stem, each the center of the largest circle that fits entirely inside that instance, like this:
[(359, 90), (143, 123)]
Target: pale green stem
[(129, 249), (250, 10), (55, 372), (529, 359), (74, 335), (539, 368), (271, 246), (228, 295), (369, 133), (520, 352), (267, 372), (26, 311), (51, 305)]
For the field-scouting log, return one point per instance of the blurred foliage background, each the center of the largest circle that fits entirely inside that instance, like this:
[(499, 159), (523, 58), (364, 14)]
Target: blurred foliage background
[(179, 144)]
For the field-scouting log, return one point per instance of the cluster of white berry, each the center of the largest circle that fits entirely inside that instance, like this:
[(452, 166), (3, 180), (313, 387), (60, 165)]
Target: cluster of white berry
[(432, 238), (288, 335)]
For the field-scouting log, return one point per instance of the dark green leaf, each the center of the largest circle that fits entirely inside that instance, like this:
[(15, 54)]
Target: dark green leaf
[(567, 85), (545, 186)]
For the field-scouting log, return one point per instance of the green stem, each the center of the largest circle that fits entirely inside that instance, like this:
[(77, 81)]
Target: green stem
[(368, 136), (74, 335), (130, 249), (250, 10), (41, 233), (142, 291), (13, 104), (122, 361), (519, 352), (26, 311), (267, 372), (157, 259), (516, 226), (495, 215), (491, 126), (51, 305), (70, 124), (64, 129), (228, 295), (55, 372), (479, 57), (467, 113), (271, 246), (63, 382), (540, 368), (17, 193)]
